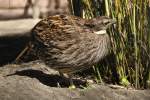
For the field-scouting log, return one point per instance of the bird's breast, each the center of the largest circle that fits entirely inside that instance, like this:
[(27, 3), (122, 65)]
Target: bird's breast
[(77, 54)]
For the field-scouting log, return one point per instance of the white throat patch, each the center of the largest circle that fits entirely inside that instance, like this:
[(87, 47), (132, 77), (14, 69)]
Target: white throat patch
[(100, 32)]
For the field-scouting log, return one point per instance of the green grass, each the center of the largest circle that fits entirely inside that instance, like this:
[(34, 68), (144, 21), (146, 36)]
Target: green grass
[(130, 40)]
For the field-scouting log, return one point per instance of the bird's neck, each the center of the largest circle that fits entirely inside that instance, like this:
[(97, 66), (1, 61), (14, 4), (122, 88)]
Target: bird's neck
[(100, 32)]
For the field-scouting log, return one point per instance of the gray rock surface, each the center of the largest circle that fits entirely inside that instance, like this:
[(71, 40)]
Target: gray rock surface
[(35, 81)]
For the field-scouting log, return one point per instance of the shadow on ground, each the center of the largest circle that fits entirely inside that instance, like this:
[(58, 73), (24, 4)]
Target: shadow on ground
[(50, 79)]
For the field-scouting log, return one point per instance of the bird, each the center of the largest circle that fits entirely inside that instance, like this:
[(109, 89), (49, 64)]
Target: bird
[(69, 44)]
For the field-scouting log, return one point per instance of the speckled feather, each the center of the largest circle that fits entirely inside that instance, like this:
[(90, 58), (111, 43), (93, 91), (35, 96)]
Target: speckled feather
[(68, 43)]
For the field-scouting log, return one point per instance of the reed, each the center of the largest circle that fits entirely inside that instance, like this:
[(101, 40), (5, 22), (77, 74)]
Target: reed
[(130, 40)]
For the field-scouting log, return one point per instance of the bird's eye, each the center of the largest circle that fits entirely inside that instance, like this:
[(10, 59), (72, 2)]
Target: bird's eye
[(106, 22), (90, 25)]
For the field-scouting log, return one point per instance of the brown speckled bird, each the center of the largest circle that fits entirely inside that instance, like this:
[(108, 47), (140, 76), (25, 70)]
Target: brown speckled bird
[(69, 44)]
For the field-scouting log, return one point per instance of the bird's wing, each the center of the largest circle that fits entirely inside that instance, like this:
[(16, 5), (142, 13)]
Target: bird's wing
[(60, 28)]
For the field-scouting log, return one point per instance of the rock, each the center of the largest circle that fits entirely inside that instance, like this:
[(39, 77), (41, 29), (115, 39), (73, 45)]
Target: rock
[(36, 81)]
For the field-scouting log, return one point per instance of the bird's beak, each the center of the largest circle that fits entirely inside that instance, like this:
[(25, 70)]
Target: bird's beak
[(114, 21), (111, 23)]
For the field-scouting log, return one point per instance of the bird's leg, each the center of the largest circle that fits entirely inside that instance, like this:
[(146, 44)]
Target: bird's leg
[(62, 75), (69, 76), (72, 86)]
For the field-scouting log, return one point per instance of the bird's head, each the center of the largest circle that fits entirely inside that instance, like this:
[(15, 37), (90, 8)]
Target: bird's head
[(100, 24)]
